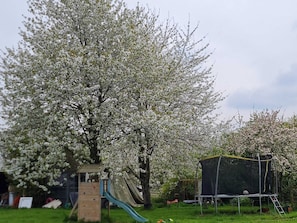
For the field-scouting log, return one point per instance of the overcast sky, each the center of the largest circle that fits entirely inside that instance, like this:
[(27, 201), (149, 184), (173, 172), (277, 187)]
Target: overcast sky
[(254, 45)]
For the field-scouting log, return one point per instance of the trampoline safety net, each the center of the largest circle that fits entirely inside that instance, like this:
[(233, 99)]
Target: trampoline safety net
[(236, 174)]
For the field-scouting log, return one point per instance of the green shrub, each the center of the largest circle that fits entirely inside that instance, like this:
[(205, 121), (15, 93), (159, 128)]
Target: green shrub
[(244, 201), (180, 189)]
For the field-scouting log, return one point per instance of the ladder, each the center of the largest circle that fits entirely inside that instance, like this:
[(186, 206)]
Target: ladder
[(277, 205)]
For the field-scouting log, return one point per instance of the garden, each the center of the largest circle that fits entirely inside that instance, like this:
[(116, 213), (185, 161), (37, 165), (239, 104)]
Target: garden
[(97, 92)]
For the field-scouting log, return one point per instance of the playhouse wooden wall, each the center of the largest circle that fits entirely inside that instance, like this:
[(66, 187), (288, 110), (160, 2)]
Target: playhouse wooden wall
[(89, 201)]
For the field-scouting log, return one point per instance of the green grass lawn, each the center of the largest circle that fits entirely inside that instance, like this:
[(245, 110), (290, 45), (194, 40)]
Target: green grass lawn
[(179, 214), (34, 215)]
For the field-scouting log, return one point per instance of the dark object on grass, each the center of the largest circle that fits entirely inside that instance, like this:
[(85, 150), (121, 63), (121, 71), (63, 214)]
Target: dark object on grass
[(264, 210), (288, 209)]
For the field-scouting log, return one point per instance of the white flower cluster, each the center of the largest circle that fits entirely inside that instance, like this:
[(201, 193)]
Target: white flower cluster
[(94, 81)]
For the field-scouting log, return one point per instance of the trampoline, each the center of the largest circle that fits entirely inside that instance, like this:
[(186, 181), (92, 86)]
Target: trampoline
[(237, 177)]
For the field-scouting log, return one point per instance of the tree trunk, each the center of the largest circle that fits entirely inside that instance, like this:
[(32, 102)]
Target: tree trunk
[(94, 151), (144, 164), (92, 139)]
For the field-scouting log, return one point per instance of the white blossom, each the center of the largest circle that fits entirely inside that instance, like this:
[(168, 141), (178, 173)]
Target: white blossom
[(94, 81)]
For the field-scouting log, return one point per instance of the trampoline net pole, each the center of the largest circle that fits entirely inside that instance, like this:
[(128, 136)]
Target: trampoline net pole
[(217, 182), (260, 187)]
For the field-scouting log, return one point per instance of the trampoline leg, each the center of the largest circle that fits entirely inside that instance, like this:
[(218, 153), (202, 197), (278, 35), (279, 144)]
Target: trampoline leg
[(238, 204)]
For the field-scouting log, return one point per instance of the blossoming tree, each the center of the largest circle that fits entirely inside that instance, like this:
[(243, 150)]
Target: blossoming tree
[(95, 82)]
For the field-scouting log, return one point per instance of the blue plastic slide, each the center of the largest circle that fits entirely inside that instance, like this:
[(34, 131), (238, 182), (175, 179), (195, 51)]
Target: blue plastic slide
[(126, 207)]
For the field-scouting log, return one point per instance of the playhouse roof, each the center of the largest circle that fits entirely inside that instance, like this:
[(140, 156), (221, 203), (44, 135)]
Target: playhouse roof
[(90, 168)]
